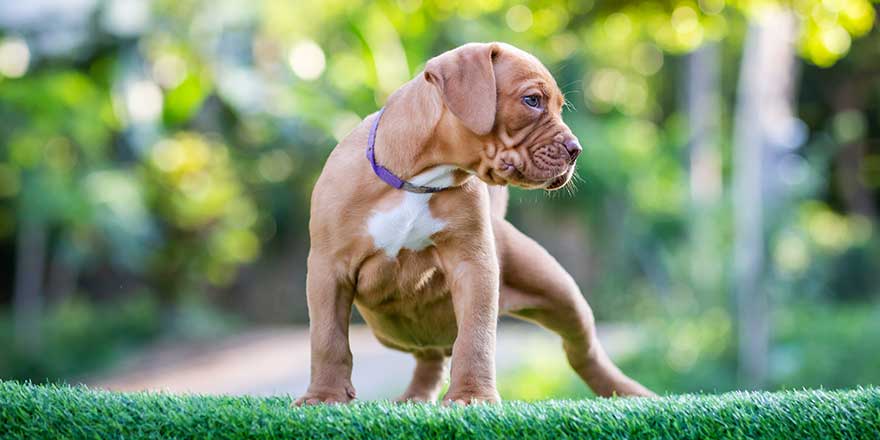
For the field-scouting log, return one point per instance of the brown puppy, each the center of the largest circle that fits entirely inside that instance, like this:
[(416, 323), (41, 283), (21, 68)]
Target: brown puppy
[(430, 272)]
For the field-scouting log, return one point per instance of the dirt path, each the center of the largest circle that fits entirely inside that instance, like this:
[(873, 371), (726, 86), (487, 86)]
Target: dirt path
[(276, 361)]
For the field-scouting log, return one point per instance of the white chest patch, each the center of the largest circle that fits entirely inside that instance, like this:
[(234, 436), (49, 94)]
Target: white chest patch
[(410, 224)]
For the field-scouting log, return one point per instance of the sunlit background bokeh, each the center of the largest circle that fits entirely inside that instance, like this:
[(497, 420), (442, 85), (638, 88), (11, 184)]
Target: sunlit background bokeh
[(156, 160)]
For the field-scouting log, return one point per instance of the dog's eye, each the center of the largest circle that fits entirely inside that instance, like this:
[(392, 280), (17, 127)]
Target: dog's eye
[(533, 101)]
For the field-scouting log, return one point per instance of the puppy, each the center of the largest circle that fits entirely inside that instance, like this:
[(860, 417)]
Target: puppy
[(407, 224)]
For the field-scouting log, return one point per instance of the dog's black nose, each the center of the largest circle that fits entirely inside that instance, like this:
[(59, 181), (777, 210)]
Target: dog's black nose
[(573, 147)]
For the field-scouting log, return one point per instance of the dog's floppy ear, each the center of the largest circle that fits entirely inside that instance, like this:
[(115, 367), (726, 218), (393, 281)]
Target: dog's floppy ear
[(466, 79)]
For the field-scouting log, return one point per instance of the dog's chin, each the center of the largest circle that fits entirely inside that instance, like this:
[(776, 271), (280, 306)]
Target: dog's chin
[(561, 181)]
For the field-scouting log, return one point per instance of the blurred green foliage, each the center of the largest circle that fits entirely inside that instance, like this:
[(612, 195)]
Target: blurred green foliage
[(82, 339), (814, 345)]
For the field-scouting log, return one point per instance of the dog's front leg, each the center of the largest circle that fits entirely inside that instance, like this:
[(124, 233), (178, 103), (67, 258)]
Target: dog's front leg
[(474, 288), (329, 313)]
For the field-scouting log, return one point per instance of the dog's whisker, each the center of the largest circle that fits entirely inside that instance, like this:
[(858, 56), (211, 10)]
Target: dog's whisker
[(571, 83)]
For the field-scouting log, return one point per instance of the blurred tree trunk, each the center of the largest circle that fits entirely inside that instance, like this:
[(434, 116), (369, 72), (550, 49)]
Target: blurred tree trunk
[(703, 87), (851, 96), (856, 195), (62, 276), (27, 298), (764, 100)]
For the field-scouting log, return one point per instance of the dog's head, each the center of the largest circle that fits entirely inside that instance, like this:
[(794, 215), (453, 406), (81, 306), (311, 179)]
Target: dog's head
[(505, 100)]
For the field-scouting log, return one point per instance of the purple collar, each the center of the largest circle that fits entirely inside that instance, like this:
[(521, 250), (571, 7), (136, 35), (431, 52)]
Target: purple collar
[(384, 173)]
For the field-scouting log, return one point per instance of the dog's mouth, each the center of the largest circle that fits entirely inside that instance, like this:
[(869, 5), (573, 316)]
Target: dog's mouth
[(559, 182), (509, 174)]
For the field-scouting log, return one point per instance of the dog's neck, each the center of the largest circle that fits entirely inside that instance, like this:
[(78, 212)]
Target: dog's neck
[(424, 140)]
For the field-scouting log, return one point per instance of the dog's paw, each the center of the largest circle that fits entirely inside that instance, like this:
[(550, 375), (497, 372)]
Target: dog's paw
[(470, 398), (309, 399), (414, 398), (636, 390), (344, 394)]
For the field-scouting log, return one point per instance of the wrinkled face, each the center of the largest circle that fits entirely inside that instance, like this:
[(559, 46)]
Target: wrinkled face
[(532, 146)]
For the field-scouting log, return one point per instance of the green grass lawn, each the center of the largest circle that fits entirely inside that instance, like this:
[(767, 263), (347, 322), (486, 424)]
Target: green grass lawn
[(31, 411)]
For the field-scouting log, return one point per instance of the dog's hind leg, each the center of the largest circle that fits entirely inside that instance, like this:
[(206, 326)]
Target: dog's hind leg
[(427, 378), (535, 287)]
